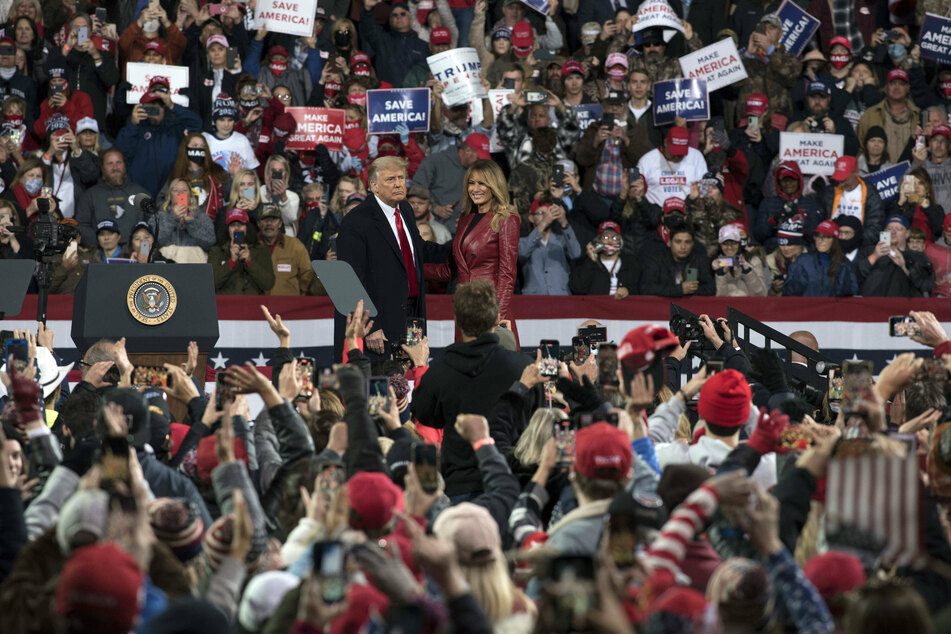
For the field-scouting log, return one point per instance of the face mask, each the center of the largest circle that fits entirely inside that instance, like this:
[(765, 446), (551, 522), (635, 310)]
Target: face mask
[(33, 186), (248, 192), (342, 39), (841, 60), (331, 89), (851, 244), (307, 158), (945, 87), (358, 99), (14, 119), (7, 73), (196, 155), (610, 249), (151, 26), (277, 68), (249, 105), (896, 50), (350, 125), (617, 73)]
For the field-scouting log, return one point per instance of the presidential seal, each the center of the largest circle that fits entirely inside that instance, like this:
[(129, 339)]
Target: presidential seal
[(152, 300)]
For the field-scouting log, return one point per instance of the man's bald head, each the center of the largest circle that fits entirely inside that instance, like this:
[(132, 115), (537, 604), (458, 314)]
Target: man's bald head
[(807, 339)]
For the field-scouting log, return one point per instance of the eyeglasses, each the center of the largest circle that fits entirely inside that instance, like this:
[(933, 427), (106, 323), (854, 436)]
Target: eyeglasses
[(654, 45), (537, 213), (401, 14), (283, 97)]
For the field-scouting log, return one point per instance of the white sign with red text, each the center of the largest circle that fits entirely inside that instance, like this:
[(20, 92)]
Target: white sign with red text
[(323, 126), (815, 153), (294, 17), (718, 63), (140, 75), (657, 13)]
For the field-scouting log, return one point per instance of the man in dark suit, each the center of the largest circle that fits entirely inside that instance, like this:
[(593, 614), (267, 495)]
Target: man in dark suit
[(387, 254)]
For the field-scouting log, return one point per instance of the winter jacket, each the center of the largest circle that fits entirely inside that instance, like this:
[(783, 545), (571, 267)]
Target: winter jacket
[(469, 379), (78, 105), (166, 482), (929, 219), (885, 279), (591, 278), (899, 132), (12, 529), (873, 214), (545, 266), (254, 277), (132, 43), (809, 277), (85, 75), (151, 149), (293, 273), (743, 281), (199, 231), (105, 202), (773, 210), (589, 151), (393, 53), (317, 233), (661, 274)]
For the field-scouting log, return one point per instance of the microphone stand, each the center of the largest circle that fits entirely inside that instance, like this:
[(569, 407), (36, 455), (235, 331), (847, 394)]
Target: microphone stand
[(147, 207)]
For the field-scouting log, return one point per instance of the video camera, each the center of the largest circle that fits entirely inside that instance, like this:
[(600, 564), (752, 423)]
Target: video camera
[(49, 235)]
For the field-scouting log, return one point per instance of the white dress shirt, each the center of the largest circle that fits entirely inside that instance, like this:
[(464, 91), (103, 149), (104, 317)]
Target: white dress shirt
[(390, 213)]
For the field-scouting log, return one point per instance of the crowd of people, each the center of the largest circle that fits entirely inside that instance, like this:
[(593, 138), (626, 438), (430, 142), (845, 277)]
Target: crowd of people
[(617, 205)]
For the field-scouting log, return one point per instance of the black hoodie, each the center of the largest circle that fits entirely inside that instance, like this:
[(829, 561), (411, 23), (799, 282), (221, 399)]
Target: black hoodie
[(469, 379)]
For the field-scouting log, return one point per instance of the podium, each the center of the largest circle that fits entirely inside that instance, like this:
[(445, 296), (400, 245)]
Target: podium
[(15, 277), (158, 308)]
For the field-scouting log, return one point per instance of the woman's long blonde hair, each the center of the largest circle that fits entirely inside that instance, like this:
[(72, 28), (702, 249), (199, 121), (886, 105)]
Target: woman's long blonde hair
[(235, 193), (493, 589), (493, 177), (531, 444)]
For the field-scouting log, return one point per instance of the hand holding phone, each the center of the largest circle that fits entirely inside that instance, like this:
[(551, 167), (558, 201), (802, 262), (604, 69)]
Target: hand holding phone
[(305, 376), (548, 366), (378, 397)]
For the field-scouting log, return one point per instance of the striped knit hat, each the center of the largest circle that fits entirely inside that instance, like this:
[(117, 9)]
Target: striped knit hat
[(217, 542), (177, 523)]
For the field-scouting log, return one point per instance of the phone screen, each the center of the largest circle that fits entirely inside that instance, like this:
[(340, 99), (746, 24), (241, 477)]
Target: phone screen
[(426, 462), (581, 348), (549, 362), (82, 34), (903, 326), (305, 375), (331, 478), (752, 122), (116, 475), (18, 349), (714, 366), (508, 83), (607, 365), (415, 330), (329, 559), (856, 385), (564, 434), (378, 398), (596, 334), (224, 391), (152, 376)]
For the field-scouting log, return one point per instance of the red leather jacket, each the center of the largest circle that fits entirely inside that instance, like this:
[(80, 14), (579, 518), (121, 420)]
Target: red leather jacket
[(483, 254)]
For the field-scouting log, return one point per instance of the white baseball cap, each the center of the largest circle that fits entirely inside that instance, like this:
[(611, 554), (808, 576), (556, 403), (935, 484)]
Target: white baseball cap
[(87, 123)]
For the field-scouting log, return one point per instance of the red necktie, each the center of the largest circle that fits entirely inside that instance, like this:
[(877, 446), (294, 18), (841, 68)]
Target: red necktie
[(407, 256)]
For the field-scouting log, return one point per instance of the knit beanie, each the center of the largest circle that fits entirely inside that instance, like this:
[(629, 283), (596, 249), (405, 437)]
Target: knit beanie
[(177, 523), (262, 596), (217, 542), (725, 399), (224, 106), (85, 511), (876, 132)]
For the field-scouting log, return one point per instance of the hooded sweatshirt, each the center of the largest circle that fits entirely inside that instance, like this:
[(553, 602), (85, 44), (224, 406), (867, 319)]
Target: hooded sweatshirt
[(469, 379), (767, 220)]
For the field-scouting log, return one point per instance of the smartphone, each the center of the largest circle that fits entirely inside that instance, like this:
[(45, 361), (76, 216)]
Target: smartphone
[(886, 237), (760, 28), (545, 54), (903, 326), (145, 247), (15, 136), (508, 83), (181, 199), (102, 15), (794, 438), (563, 431), (549, 362), (415, 330), (919, 143), (305, 374), (328, 380), (217, 9), (607, 365), (536, 96), (332, 477), (752, 122), (277, 175), (239, 237), (152, 376), (691, 273), (570, 579), (329, 560), (607, 120), (633, 174), (425, 459), (856, 385), (224, 391), (116, 475), (57, 89), (611, 418), (19, 350), (558, 175), (232, 57), (378, 395), (713, 366), (725, 261), (581, 348), (82, 34), (596, 335), (835, 386)]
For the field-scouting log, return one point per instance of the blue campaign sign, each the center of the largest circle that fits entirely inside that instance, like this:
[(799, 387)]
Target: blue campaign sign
[(798, 27), (935, 38), (587, 114), (686, 98), (387, 109), (539, 5), (886, 181)]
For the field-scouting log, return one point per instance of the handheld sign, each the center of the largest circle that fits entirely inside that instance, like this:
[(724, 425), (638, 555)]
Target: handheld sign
[(815, 153), (140, 74), (294, 17), (657, 13), (686, 98), (935, 38), (315, 126), (798, 27), (460, 73), (886, 181), (587, 114), (539, 5), (719, 64), (387, 109)]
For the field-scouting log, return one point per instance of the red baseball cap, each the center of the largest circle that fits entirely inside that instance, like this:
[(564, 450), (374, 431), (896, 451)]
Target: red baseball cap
[(609, 225), (943, 129), (523, 39), (674, 204), (277, 50), (359, 58), (756, 104), (898, 73), (827, 228), (155, 46), (237, 215), (159, 80), (572, 66), (100, 580), (845, 166), (603, 451), (150, 97), (844, 41), (440, 35), (479, 143), (373, 497), (641, 346), (834, 572), (678, 141)]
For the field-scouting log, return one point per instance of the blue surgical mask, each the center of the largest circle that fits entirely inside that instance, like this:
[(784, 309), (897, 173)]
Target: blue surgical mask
[(33, 186), (896, 50), (248, 192)]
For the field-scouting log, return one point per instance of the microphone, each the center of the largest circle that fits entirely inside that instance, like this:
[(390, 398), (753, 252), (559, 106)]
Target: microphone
[(144, 202), (822, 368)]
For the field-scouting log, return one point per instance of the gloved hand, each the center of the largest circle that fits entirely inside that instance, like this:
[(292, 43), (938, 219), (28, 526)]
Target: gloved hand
[(765, 438), (352, 383), (26, 397), (585, 395), (403, 131), (768, 370), (356, 164)]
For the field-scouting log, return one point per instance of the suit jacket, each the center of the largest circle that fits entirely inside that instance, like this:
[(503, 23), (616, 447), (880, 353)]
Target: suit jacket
[(366, 242), (484, 254)]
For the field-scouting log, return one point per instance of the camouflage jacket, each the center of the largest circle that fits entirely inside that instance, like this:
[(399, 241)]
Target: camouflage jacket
[(706, 217), (774, 76), (529, 178)]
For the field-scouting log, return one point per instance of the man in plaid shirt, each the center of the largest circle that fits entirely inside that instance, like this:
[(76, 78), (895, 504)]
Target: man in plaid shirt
[(518, 119)]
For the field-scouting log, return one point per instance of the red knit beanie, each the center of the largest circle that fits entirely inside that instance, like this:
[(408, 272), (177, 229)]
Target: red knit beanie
[(725, 399)]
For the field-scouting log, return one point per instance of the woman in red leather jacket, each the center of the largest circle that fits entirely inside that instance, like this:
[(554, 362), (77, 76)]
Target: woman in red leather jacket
[(486, 242)]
